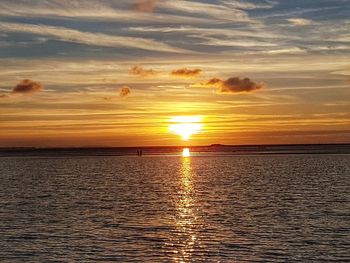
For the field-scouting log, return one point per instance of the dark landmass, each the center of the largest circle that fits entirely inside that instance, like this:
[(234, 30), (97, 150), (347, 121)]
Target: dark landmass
[(214, 149)]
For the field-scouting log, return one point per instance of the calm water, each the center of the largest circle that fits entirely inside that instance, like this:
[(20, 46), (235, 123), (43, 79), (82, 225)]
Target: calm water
[(267, 208)]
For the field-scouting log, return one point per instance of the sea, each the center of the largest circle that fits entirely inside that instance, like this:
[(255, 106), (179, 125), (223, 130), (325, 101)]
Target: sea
[(279, 203)]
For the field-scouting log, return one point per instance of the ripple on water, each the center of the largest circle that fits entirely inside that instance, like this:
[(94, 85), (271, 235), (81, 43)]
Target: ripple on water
[(161, 209)]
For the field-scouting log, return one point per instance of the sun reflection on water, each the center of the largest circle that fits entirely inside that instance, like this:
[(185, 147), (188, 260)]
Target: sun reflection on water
[(186, 152), (186, 217)]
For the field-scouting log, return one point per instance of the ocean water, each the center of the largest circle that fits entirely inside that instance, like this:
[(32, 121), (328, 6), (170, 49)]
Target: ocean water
[(255, 208)]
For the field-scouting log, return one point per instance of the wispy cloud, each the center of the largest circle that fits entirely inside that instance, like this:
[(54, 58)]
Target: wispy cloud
[(95, 10), (286, 50), (216, 36), (88, 38), (299, 11), (206, 9), (249, 5), (299, 21), (145, 5)]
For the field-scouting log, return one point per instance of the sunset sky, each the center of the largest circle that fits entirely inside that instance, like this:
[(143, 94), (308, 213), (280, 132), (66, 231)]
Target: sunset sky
[(117, 73)]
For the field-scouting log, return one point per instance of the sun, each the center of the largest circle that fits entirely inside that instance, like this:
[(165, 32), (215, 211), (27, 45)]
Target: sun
[(185, 126)]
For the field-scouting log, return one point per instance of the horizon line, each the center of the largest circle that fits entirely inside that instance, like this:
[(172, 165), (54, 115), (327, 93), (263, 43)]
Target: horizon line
[(172, 146)]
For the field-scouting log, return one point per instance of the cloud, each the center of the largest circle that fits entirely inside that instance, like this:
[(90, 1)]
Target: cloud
[(231, 85), (287, 50), (186, 73), (89, 10), (146, 6), (212, 10), (89, 38), (141, 72), (299, 21), (125, 91), (27, 86), (246, 5)]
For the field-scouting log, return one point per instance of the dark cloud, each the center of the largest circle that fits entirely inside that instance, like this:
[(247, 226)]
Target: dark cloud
[(231, 85), (214, 81), (125, 91), (234, 85), (141, 72), (27, 86), (186, 73), (146, 6)]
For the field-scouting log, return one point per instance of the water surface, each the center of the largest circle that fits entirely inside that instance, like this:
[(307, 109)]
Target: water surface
[(263, 208)]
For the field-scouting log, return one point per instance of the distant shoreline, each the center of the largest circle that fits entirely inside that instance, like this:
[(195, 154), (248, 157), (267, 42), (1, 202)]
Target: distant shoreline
[(177, 146), (210, 150)]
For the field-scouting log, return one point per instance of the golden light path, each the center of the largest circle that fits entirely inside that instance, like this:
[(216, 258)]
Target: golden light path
[(187, 220), (185, 126)]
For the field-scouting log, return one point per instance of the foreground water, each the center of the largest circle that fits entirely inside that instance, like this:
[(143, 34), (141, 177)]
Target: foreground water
[(267, 208)]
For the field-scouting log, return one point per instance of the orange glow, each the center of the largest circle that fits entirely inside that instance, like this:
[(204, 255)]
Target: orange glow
[(185, 126)]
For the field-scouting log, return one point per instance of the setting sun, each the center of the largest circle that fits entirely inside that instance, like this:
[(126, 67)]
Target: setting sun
[(185, 126), (174, 130)]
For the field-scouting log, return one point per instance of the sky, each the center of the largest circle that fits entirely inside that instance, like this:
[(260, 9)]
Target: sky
[(77, 73)]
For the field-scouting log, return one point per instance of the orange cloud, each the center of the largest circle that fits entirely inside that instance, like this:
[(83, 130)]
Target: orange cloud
[(186, 73), (146, 6), (27, 86), (125, 91), (141, 72), (231, 85)]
